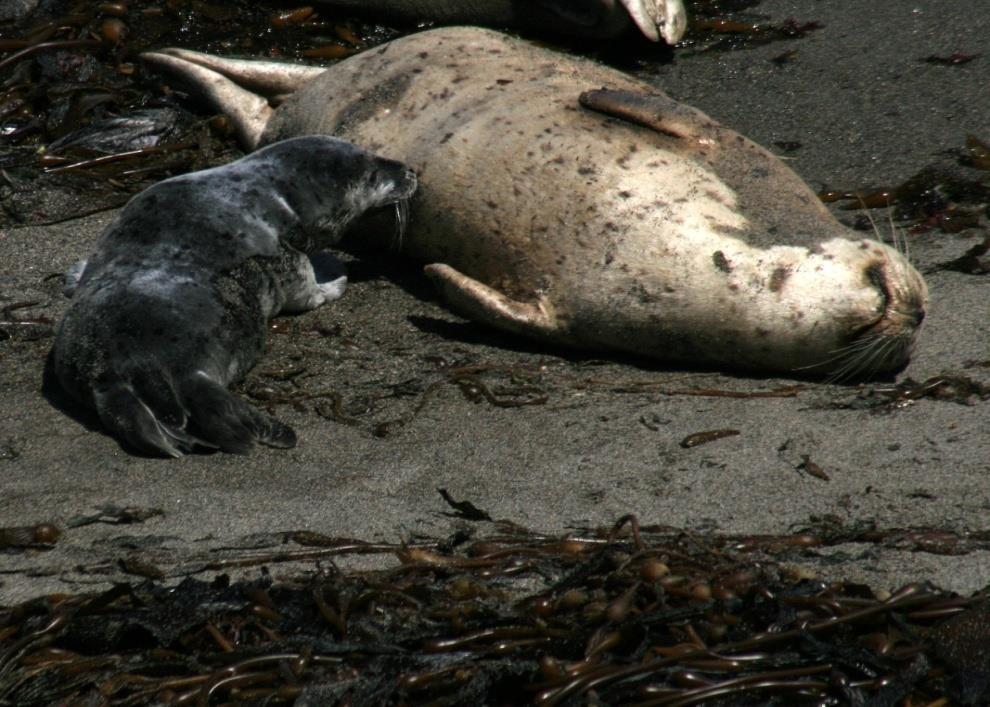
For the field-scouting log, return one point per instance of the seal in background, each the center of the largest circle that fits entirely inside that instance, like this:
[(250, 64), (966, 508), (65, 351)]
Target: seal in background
[(598, 19)]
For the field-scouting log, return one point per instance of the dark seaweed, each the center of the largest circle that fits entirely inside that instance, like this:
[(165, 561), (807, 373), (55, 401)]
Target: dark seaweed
[(625, 615)]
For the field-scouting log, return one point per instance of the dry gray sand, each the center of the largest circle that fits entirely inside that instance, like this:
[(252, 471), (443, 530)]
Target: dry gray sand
[(865, 110)]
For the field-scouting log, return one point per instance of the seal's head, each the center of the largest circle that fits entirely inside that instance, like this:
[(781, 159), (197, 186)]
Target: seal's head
[(329, 182), (879, 312), (845, 309)]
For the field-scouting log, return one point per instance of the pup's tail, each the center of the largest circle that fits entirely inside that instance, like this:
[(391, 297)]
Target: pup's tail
[(158, 419)]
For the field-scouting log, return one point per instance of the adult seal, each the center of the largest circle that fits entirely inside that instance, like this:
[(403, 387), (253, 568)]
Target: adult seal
[(595, 19), (604, 218), (172, 305)]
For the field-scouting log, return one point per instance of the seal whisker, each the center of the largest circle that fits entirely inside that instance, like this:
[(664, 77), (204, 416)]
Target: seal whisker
[(854, 358), (902, 244), (874, 359), (871, 358), (851, 365), (899, 244), (869, 216), (401, 220), (845, 371)]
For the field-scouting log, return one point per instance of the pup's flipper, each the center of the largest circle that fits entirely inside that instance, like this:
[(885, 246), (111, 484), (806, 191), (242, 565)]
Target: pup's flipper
[(223, 419), (129, 417)]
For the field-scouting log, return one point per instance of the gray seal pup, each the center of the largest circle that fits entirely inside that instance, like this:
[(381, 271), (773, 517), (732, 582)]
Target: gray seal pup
[(596, 19), (172, 305), (602, 218)]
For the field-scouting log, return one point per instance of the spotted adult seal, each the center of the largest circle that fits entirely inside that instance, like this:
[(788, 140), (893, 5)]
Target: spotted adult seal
[(600, 19), (171, 307), (611, 218)]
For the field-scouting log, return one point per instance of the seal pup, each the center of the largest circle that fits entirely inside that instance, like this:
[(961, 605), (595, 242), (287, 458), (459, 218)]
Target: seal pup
[(596, 19), (606, 219), (172, 305)]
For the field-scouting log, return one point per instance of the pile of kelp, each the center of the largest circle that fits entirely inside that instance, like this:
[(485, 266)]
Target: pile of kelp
[(624, 615), (84, 124)]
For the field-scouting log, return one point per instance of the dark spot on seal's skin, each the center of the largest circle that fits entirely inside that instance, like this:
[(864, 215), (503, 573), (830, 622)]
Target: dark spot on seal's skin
[(625, 194), (446, 137), (714, 196), (721, 262), (367, 105), (586, 171), (778, 278)]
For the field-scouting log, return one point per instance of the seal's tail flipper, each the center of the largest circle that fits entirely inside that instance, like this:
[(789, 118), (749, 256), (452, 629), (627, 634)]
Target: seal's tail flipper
[(248, 111), (226, 421), (486, 304), (126, 415), (151, 417), (272, 79)]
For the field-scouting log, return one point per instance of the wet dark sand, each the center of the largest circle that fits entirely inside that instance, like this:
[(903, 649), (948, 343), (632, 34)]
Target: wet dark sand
[(866, 112)]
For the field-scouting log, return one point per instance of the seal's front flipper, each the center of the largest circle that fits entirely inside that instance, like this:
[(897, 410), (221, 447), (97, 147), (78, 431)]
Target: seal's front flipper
[(72, 277), (309, 281), (248, 111), (654, 111), (482, 303)]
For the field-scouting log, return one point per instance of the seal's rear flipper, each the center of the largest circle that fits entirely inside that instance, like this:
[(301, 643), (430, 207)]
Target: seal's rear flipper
[(125, 414), (224, 420), (656, 112), (482, 303), (248, 111), (152, 419), (272, 79)]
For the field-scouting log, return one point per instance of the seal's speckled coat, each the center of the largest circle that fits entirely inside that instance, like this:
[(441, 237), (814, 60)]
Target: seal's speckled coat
[(172, 305)]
